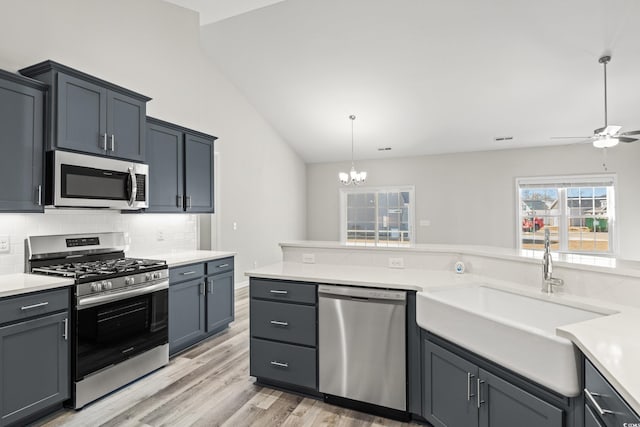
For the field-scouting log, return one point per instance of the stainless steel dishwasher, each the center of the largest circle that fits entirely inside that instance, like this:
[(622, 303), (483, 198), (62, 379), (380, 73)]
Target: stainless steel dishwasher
[(362, 342)]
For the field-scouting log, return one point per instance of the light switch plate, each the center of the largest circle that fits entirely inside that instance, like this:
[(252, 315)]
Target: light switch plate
[(5, 244), (309, 258), (396, 262)]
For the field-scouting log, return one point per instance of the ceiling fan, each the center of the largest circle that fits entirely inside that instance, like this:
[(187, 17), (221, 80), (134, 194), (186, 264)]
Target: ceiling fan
[(608, 135)]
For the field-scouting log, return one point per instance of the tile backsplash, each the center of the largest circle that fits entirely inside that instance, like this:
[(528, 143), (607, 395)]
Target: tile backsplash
[(149, 234)]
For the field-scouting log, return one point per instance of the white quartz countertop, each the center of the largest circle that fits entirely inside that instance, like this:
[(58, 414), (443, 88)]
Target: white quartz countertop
[(611, 343), (21, 283), (176, 259), (376, 277)]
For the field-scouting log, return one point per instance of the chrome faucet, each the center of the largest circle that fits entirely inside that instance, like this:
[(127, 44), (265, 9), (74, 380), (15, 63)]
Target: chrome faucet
[(548, 281)]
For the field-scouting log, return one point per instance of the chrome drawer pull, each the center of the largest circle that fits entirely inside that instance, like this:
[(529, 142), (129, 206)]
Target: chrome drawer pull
[(65, 334), (29, 307), (223, 265), (186, 273), (595, 404), (278, 323), (275, 291), (469, 394), (479, 401), (280, 365)]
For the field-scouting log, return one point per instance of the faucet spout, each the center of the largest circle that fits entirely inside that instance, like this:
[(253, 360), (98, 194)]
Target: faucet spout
[(548, 281)]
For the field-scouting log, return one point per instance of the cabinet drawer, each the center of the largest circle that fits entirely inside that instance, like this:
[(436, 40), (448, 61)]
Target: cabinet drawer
[(286, 363), (186, 272), (607, 398), (34, 304), (220, 266), (278, 290), (283, 322)]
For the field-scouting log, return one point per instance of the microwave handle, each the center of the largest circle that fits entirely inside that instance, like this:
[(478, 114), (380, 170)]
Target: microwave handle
[(134, 186)]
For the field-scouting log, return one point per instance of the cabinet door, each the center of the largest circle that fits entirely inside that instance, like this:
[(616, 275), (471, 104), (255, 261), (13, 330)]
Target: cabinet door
[(505, 405), (219, 300), (198, 174), (125, 127), (81, 115), (449, 388), (35, 366), (165, 158), (186, 313), (21, 164)]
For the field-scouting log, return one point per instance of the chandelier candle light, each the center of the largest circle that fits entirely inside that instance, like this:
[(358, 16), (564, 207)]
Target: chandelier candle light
[(352, 177)]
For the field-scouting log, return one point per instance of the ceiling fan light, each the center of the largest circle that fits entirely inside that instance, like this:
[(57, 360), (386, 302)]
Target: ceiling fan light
[(606, 142)]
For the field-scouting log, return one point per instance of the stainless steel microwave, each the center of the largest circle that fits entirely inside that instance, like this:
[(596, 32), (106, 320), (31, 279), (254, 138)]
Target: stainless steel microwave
[(80, 180)]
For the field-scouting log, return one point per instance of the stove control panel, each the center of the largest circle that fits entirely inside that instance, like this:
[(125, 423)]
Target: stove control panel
[(116, 284)]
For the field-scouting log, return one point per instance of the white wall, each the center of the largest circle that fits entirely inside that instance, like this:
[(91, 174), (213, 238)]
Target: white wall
[(470, 197), (153, 47)]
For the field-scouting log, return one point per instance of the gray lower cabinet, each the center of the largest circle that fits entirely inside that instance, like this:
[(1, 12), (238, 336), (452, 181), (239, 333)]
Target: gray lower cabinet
[(91, 115), (283, 325), (604, 407), (34, 355), (180, 168), (201, 301), (459, 393), (22, 143)]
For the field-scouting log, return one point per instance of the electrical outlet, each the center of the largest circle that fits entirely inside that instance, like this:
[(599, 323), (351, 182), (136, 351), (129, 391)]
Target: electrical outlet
[(160, 236), (5, 246), (396, 262), (425, 223), (309, 258)]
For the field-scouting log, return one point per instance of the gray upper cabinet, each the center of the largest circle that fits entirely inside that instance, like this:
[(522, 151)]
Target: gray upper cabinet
[(91, 115), (198, 173), (22, 129), (180, 168)]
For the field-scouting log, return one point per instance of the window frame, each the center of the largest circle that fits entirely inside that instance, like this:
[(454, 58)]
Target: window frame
[(343, 192), (586, 180)]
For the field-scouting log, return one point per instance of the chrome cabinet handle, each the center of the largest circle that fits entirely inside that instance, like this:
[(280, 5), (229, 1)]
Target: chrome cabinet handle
[(479, 401), (186, 273), (279, 323), (210, 282), (202, 290), (275, 291), (30, 307), (104, 142), (590, 398), (180, 201), (279, 364), (188, 202), (469, 394), (39, 195), (65, 333), (223, 265), (113, 143)]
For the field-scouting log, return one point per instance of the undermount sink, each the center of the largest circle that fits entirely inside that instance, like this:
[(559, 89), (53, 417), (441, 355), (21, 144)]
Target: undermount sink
[(514, 330)]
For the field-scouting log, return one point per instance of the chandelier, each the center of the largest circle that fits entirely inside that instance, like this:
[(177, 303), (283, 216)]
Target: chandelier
[(353, 177)]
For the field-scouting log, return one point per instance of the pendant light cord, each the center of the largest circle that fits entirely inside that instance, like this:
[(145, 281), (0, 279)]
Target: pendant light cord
[(605, 93), (352, 117)]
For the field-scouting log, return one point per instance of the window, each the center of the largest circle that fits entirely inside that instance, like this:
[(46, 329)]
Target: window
[(578, 211), (377, 216)]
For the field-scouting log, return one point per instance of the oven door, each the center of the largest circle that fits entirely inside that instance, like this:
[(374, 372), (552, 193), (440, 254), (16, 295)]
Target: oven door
[(111, 331), (89, 181)]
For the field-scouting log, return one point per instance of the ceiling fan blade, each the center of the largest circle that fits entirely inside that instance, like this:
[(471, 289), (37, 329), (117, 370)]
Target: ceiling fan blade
[(627, 139), (631, 132)]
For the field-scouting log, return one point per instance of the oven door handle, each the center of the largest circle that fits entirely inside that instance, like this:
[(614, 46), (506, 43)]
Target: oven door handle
[(90, 301)]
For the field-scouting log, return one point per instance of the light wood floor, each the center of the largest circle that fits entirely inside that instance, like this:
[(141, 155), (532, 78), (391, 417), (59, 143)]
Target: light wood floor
[(209, 385)]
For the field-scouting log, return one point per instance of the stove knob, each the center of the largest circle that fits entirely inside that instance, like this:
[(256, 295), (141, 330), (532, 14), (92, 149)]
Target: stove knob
[(148, 276), (96, 287), (127, 281), (157, 275), (107, 285)]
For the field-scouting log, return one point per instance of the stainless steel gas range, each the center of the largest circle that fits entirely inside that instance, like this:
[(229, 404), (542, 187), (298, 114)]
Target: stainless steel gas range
[(119, 309)]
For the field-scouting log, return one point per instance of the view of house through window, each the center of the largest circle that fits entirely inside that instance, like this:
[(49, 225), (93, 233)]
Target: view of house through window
[(578, 211), (382, 217)]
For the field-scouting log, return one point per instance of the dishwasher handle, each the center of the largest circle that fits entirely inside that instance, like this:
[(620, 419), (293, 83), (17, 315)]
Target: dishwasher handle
[(361, 293)]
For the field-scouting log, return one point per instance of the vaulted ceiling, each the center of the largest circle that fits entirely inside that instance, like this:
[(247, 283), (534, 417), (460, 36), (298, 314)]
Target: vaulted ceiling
[(427, 76)]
